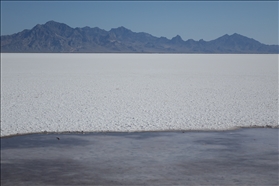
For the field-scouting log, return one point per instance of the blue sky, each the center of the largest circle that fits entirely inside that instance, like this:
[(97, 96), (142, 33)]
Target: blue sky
[(190, 20)]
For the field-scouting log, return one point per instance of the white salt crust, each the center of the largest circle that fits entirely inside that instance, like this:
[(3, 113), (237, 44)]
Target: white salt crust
[(137, 92)]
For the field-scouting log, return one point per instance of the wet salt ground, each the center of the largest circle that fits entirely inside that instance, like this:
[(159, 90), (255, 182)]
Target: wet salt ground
[(238, 157)]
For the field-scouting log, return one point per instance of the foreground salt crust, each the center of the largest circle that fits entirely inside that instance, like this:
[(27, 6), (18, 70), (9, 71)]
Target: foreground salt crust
[(137, 92)]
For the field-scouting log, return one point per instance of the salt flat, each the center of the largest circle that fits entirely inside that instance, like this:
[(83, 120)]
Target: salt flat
[(137, 92)]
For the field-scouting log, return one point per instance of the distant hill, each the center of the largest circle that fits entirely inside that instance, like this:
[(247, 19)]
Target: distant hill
[(58, 37)]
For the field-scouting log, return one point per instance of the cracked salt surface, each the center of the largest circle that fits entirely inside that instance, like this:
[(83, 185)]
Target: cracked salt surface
[(137, 92)]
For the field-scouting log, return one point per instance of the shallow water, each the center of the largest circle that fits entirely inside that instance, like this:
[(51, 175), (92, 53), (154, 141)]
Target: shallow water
[(237, 157)]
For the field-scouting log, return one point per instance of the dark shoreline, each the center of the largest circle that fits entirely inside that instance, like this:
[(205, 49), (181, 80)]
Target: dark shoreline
[(129, 132)]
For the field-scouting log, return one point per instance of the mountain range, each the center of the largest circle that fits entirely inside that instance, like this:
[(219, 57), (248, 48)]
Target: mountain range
[(54, 37)]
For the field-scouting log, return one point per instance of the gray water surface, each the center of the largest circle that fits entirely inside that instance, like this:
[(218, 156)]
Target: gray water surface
[(239, 157)]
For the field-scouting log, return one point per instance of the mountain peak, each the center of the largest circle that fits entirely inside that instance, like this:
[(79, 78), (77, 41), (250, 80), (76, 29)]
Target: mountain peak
[(177, 37), (52, 23), (121, 29), (177, 40), (226, 37), (236, 34), (202, 41), (120, 32), (241, 37)]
